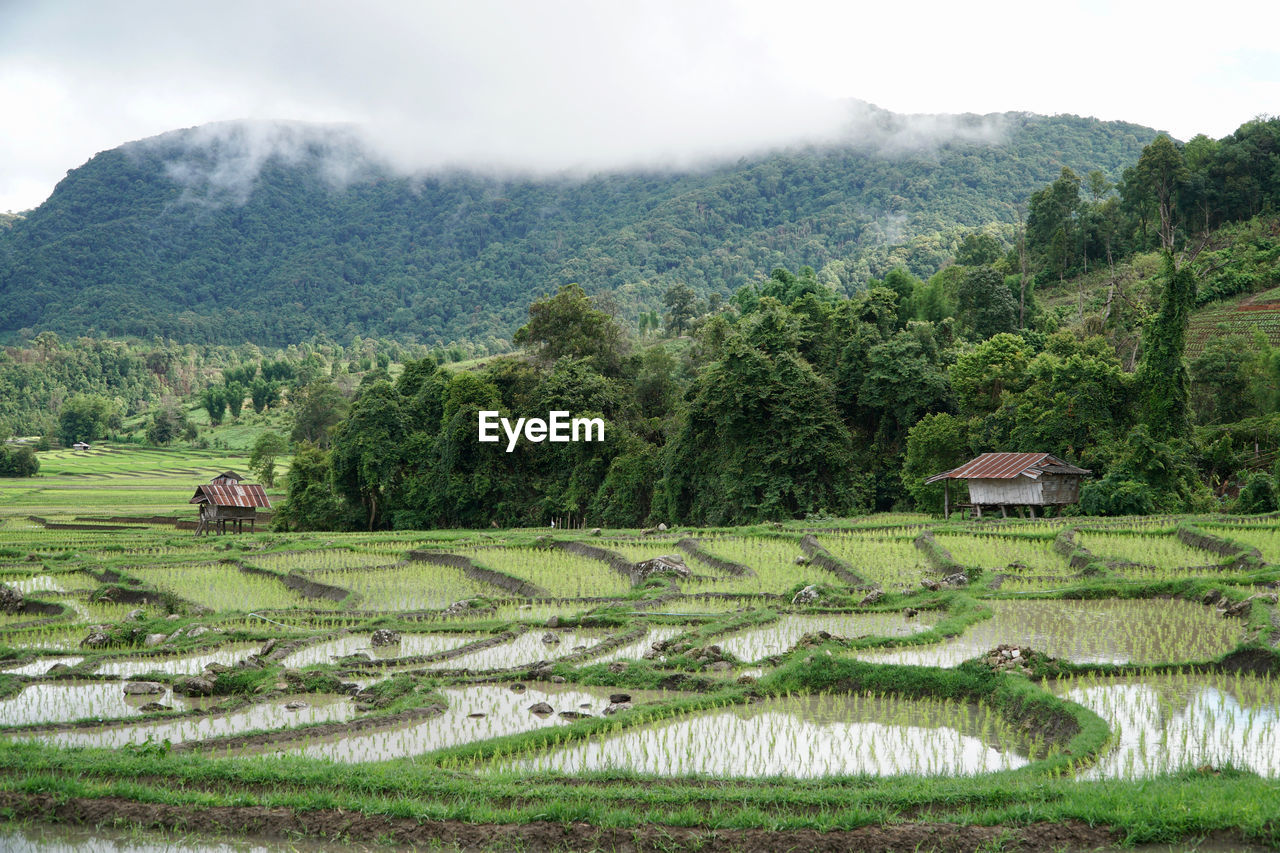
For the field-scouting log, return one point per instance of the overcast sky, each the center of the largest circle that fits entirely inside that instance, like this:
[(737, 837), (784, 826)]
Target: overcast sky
[(589, 85)]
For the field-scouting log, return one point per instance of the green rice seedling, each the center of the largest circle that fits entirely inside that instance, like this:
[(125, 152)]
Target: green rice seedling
[(560, 573), (1089, 631), (225, 587), (1182, 721), (891, 561), (1005, 553), (803, 737), (413, 586), (1164, 552), (271, 715), (473, 713), (781, 636)]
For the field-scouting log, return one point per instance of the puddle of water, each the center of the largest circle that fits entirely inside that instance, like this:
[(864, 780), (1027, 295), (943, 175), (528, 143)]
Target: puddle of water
[(321, 708), (67, 701), (41, 666), (636, 650), (1104, 631), (1165, 723), (526, 648), (410, 645), (36, 583), (505, 712), (781, 636), (184, 665), (805, 737)]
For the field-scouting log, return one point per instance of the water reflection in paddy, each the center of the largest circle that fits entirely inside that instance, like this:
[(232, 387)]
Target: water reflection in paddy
[(41, 666), (319, 708), (1102, 631), (504, 712), (184, 665), (781, 636), (636, 650), (1165, 723), (410, 645), (526, 648), (806, 736), (67, 701)]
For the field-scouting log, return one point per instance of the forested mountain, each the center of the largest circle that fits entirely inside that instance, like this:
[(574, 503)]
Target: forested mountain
[(279, 233)]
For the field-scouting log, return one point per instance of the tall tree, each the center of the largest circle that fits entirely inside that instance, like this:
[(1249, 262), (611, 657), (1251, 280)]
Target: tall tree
[(1162, 374), (1160, 172)]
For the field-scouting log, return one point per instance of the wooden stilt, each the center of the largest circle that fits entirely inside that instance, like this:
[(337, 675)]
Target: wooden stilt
[(946, 500), (1004, 511)]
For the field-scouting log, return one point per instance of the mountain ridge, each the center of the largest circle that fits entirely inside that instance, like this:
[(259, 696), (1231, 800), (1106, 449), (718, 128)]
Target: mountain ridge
[(209, 236)]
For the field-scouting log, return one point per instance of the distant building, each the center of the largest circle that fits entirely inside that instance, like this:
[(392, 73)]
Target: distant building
[(226, 499), (80, 445), (1013, 479)]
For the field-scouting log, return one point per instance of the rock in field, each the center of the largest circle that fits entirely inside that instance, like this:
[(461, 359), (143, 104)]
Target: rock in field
[(871, 598), (385, 637), (142, 688), (541, 709), (550, 639), (98, 638), (11, 601), (153, 640), (667, 564), (808, 595)]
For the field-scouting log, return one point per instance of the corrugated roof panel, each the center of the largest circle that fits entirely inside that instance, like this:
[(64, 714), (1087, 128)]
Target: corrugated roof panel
[(1006, 466), (232, 495)]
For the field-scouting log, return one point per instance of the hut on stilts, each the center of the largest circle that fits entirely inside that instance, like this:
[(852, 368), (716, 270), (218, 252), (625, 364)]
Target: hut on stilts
[(225, 499), (1003, 480)]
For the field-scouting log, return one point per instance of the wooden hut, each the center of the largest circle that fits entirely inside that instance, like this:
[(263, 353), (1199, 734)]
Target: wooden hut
[(226, 499), (81, 446), (1013, 479)]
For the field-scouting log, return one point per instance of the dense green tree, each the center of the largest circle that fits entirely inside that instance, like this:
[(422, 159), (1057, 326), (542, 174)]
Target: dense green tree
[(267, 448), (725, 466), (311, 503), (682, 308), (366, 450), (567, 325), (86, 417), (984, 305), (1162, 375), (317, 408), (18, 462), (214, 401), (936, 443)]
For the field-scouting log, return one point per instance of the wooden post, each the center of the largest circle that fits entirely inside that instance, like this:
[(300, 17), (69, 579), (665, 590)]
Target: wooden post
[(1004, 511), (1031, 509), (946, 500)]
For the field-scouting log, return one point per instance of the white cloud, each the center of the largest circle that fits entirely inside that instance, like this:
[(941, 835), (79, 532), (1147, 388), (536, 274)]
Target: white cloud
[(555, 85)]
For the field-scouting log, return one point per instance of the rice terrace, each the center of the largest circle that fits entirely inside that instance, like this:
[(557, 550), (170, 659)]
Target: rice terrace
[(886, 682)]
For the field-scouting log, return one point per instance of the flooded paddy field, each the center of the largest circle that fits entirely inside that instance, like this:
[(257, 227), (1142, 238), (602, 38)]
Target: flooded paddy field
[(1085, 631), (804, 737), (472, 714), (1183, 721), (562, 702), (781, 636)]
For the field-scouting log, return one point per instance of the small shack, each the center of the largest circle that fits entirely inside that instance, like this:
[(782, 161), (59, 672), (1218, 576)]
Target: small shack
[(80, 445), (225, 499), (1013, 479)]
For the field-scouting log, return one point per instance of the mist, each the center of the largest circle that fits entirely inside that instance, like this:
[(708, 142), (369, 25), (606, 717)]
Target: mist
[(553, 88)]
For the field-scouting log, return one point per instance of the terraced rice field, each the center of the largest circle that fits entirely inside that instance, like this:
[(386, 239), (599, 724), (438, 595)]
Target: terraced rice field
[(529, 687)]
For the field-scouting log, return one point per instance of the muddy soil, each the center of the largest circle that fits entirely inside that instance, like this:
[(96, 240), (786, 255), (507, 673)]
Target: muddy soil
[(544, 836)]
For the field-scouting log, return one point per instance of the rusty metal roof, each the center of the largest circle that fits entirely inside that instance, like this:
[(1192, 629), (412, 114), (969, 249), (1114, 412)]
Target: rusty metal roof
[(231, 495), (1006, 466)]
